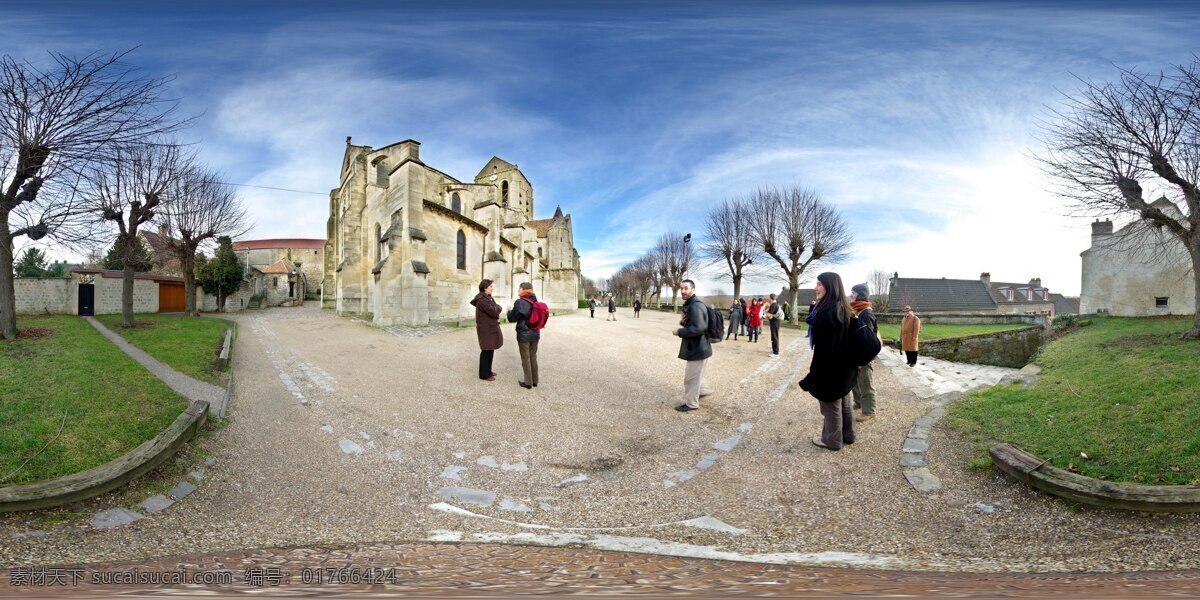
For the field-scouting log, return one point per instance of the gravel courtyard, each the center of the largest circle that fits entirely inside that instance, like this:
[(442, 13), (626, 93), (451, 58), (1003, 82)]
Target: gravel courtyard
[(343, 433)]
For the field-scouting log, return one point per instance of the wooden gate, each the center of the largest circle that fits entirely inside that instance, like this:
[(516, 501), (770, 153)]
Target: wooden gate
[(171, 297)]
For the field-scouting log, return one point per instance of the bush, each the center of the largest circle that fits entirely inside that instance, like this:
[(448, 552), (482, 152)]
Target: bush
[(1063, 320), (583, 304)]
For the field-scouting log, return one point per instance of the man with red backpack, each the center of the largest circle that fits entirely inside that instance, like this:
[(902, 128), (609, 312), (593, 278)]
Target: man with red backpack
[(530, 315)]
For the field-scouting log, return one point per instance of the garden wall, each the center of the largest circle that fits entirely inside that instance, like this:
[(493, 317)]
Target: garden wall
[(1013, 348), (966, 319)]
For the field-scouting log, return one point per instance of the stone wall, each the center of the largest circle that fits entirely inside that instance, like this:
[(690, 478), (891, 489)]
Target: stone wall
[(1013, 348), (965, 318), (41, 296), (1124, 274)]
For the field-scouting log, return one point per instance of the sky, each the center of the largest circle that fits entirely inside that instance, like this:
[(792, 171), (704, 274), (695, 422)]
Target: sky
[(919, 121)]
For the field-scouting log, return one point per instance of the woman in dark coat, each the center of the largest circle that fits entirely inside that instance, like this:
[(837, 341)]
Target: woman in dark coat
[(832, 376), (487, 327), (735, 319)]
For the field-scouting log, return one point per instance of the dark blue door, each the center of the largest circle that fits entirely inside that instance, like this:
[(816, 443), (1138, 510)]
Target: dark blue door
[(87, 299)]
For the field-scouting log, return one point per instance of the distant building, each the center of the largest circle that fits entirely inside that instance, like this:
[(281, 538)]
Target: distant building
[(931, 296), (1138, 270), (299, 261)]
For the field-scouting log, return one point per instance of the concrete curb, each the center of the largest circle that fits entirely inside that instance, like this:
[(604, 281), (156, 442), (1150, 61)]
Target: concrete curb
[(113, 474)]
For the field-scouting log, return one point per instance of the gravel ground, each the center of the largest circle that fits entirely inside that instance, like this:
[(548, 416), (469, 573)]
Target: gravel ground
[(309, 386)]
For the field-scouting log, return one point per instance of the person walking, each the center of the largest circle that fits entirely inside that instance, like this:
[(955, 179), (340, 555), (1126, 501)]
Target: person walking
[(487, 327), (592, 306), (910, 334), (637, 309), (527, 339), (755, 318), (774, 314), (864, 390), (787, 311), (735, 319), (745, 315), (612, 309), (831, 376), (694, 346)]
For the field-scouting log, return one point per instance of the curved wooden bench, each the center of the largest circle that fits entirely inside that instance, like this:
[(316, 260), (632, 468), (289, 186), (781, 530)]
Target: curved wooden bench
[(1037, 473), (115, 473)]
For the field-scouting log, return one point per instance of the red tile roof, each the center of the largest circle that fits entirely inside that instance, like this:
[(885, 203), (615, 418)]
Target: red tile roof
[(279, 268), (279, 243)]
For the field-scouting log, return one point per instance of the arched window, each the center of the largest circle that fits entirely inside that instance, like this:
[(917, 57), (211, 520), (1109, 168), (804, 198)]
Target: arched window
[(504, 192), (539, 251), (455, 203), (378, 243), (462, 250)]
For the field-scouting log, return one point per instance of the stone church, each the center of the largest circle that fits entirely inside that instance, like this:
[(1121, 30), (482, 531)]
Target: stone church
[(408, 245)]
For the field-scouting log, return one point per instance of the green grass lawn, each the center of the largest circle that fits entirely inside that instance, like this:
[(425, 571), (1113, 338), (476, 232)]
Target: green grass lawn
[(188, 344), (1125, 392), (70, 400), (938, 331)]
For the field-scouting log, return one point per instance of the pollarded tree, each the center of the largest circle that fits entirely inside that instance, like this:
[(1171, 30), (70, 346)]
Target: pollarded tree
[(129, 192), (1110, 141), (54, 121), (200, 208), (797, 229), (729, 240)]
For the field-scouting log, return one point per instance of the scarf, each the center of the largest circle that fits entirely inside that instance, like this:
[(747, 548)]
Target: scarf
[(859, 305), (523, 293)]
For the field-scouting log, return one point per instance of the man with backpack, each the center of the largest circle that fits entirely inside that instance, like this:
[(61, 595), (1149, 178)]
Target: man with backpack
[(530, 315), (864, 390), (694, 346)]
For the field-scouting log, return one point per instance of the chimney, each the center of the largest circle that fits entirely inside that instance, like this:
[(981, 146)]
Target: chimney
[(1104, 227), (986, 278), (1035, 282)]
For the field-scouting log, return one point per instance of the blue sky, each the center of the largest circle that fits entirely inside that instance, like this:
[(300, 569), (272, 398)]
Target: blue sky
[(917, 120)]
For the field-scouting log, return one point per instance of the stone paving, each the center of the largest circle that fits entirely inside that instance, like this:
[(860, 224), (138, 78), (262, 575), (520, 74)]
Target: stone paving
[(442, 570), (343, 436)]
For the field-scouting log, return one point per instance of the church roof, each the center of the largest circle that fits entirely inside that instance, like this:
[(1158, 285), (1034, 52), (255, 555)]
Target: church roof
[(541, 226), (495, 165), (279, 243)]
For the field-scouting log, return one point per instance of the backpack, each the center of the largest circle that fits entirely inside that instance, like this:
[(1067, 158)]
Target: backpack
[(539, 313), (716, 325), (864, 344)]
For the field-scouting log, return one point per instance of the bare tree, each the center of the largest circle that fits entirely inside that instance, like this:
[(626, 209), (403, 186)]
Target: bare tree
[(729, 239), (880, 282), (129, 192), (1111, 139), (797, 229), (676, 257), (54, 121), (198, 209)]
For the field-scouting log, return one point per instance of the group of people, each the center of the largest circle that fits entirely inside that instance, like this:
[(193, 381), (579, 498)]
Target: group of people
[(839, 385), (612, 308), (491, 338), (747, 319)]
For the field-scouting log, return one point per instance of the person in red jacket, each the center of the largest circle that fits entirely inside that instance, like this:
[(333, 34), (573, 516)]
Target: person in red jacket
[(754, 320)]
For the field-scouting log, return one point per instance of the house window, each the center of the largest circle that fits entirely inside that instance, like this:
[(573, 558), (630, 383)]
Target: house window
[(1160, 302), (1029, 294), (274, 282), (462, 250), (455, 203)]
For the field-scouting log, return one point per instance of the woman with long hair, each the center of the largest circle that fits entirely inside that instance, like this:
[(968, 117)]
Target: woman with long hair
[(487, 327), (832, 376)]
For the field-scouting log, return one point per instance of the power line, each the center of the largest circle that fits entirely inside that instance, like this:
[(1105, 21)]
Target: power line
[(264, 187)]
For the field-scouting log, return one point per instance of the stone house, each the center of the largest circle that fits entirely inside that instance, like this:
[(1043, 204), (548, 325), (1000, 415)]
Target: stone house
[(933, 296), (305, 256), (1138, 270), (409, 244)]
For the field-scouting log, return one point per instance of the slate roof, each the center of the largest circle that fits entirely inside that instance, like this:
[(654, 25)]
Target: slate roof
[(1064, 305), (940, 294), (1018, 293)]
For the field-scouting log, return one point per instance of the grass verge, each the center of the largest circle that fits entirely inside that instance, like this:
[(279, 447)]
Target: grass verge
[(1118, 400), (70, 400), (189, 345)]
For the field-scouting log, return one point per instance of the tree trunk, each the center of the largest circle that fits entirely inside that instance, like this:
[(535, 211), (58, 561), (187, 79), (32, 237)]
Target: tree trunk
[(8, 296), (188, 264), (737, 287), (1194, 332), (794, 288)]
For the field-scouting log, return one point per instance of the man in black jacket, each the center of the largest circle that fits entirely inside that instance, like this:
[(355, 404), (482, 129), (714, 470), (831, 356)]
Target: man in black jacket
[(694, 346), (527, 339), (772, 316)]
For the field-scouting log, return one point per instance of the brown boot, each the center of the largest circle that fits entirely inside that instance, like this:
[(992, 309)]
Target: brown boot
[(863, 418)]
